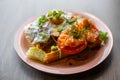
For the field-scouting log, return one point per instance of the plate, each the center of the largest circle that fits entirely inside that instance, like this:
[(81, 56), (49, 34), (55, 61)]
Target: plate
[(68, 65)]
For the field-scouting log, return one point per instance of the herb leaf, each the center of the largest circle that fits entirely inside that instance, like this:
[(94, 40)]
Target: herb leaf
[(70, 21), (85, 30), (43, 35), (54, 12), (60, 29), (54, 48), (39, 25), (76, 35), (59, 14), (50, 13), (41, 20), (103, 36)]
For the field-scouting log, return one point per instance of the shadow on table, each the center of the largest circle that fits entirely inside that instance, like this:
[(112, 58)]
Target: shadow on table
[(88, 75)]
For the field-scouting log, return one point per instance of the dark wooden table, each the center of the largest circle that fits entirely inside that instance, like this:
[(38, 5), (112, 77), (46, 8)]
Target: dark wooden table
[(13, 13)]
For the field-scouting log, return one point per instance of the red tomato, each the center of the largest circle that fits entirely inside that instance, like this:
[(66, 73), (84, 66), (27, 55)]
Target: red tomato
[(72, 50)]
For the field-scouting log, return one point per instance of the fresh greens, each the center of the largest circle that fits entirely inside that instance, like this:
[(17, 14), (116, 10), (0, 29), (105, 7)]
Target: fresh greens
[(54, 48), (76, 35), (70, 21), (60, 12), (60, 29), (103, 35), (85, 30), (39, 25), (50, 13), (43, 35), (58, 15), (55, 16), (74, 32), (54, 12), (41, 20)]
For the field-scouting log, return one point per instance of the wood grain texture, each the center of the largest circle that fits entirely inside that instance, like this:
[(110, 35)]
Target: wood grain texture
[(13, 13)]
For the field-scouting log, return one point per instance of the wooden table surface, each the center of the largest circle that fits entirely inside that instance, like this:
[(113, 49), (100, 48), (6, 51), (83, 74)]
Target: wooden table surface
[(13, 13)]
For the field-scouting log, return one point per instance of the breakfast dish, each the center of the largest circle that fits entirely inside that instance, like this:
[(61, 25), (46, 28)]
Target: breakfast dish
[(59, 34)]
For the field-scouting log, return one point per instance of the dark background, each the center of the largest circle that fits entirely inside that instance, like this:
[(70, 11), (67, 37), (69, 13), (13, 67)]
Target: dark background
[(13, 13)]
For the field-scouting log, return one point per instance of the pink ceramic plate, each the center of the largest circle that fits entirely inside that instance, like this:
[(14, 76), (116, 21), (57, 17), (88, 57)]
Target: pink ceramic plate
[(67, 65)]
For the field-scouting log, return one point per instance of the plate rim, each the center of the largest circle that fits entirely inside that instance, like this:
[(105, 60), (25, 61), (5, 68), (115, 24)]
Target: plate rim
[(60, 73)]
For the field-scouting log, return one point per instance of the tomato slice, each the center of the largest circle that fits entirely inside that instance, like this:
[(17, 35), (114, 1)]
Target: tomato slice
[(73, 50)]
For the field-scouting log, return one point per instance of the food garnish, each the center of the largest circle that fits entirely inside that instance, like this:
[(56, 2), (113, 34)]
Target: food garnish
[(59, 34)]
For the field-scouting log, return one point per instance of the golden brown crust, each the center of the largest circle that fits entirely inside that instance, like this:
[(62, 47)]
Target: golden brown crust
[(53, 56)]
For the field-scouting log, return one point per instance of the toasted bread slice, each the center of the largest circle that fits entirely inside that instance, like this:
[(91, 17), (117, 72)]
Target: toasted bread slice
[(53, 56), (38, 54)]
